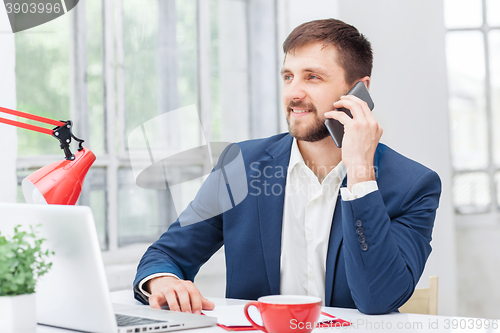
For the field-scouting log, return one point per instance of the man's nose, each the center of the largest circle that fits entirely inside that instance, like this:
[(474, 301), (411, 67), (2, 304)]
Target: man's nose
[(294, 90)]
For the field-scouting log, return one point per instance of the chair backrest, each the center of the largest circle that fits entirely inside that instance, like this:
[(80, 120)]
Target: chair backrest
[(423, 300)]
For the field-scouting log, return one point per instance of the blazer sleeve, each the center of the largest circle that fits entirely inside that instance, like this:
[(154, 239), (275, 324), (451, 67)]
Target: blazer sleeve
[(385, 256), (180, 251)]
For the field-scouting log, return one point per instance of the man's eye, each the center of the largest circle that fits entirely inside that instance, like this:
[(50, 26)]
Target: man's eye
[(287, 77), (313, 77)]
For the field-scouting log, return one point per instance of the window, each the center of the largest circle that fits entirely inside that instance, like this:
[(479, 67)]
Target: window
[(112, 66), (473, 60)]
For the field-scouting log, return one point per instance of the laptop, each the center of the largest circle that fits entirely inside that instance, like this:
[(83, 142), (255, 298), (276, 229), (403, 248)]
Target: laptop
[(74, 294)]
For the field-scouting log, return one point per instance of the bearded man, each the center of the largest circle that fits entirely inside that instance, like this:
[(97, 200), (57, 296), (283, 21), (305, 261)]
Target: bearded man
[(350, 225)]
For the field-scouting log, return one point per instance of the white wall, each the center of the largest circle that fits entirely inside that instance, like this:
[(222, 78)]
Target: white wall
[(478, 269), (8, 135), (409, 89)]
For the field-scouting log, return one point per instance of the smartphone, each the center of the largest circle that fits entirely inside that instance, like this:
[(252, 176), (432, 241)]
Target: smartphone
[(334, 126)]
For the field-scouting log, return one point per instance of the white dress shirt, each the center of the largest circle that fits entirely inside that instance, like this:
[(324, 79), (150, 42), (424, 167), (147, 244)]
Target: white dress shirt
[(307, 218)]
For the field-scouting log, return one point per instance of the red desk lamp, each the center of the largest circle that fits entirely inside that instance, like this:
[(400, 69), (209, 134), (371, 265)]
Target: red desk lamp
[(60, 182)]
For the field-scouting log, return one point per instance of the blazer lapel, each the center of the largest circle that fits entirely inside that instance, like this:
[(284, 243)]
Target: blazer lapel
[(272, 181), (334, 244)]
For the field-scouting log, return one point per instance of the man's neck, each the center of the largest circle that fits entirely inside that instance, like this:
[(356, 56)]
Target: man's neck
[(320, 156)]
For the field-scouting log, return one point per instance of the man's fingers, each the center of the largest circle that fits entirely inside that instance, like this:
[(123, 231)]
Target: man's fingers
[(355, 99), (171, 298), (358, 107), (180, 295), (154, 301), (354, 106), (196, 298), (338, 115), (184, 299), (206, 304)]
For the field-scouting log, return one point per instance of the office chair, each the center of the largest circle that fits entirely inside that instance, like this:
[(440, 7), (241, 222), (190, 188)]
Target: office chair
[(423, 300)]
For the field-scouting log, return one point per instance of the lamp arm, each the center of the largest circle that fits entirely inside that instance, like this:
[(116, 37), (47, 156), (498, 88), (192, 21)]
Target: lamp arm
[(62, 131), (26, 126), (64, 135), (30, 116)]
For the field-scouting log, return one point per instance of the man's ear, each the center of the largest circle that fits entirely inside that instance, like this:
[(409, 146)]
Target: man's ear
[(366, 81)]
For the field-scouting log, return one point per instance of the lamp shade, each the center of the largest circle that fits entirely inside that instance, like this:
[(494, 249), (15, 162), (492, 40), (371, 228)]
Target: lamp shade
[(58, 183)]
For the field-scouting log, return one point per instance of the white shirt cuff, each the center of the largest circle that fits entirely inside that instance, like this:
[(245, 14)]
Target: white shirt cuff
[(359, 190), (146, 279)]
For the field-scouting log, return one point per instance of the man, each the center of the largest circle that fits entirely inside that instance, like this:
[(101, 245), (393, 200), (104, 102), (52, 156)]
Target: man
[(352, 225)]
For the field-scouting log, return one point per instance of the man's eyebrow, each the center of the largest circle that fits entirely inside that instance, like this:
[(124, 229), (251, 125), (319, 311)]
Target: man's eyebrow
[(318, 70), (284, 70)]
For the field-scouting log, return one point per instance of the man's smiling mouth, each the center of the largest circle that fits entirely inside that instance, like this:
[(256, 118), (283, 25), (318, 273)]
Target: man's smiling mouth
[(300, 111)]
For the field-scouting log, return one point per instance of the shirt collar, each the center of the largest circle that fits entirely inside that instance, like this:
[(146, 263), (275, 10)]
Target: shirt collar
[(341, 171), (296, 158)]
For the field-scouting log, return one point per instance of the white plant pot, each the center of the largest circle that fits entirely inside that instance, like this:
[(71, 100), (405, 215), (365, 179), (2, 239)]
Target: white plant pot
[(18, 314)]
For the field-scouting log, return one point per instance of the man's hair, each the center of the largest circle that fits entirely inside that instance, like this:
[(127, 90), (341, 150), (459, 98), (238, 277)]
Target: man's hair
[(354, 50)]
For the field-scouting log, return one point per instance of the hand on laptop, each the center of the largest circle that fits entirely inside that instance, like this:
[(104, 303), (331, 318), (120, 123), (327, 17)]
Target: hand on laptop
[(179, 295)]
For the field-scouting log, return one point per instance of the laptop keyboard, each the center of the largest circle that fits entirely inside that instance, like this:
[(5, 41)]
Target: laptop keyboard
[(123, 320)]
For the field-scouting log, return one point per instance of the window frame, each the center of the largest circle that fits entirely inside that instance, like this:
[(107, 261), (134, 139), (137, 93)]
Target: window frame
[(114, 60), (116, 156), (492, 216)]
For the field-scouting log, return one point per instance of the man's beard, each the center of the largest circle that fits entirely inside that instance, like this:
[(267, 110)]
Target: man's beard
[(316, 131)]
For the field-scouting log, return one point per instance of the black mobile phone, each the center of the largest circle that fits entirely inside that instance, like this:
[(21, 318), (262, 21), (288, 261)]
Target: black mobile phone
[(335, 127)]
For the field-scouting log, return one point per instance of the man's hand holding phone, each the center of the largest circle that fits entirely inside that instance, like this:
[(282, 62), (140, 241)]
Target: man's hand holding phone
[(361, 136), (179, 295)]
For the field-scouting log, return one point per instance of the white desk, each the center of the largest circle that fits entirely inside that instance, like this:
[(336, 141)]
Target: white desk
[(393, 322)]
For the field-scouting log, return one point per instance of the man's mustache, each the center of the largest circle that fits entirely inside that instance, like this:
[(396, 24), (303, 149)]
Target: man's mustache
[(300, 104)]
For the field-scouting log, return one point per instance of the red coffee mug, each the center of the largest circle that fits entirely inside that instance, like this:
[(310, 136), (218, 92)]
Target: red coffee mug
[(286, 313)]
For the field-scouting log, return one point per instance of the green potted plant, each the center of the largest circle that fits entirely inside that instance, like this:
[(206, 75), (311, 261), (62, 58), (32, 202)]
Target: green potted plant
[(22, 262)]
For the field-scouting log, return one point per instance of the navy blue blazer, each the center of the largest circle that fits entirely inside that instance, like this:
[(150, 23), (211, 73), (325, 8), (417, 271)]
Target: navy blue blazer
[(376, 273)]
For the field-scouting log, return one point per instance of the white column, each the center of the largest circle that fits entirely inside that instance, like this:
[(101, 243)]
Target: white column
[(78, 70), (8, 134), (168, 72), (233, 64), (110, 111), (263, 69), (79, 111)]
